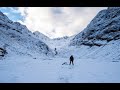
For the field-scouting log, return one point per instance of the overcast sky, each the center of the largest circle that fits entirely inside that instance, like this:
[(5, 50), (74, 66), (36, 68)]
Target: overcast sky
[(53, 21)]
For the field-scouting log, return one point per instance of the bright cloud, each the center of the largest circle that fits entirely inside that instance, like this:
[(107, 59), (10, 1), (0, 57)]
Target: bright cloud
[(57, 21)]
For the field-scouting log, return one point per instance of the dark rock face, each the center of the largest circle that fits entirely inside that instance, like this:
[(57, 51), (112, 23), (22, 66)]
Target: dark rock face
[(2, 52), (104, 28), (19, 38)]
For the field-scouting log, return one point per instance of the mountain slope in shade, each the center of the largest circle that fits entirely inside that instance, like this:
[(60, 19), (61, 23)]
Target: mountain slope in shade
[(104, 28), (18, 38)]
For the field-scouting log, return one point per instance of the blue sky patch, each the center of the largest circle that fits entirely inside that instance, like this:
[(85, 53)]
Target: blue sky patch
[(14, 16)]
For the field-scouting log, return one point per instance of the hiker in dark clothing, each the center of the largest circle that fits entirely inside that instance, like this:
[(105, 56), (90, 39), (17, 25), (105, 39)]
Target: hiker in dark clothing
[(55, 51), (71, 60)]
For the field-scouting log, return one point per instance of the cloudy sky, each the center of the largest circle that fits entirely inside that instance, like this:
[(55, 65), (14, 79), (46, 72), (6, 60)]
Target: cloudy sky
[(53, 21)]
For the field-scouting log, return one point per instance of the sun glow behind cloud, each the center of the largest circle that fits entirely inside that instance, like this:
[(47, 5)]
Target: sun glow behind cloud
[(56, 21)]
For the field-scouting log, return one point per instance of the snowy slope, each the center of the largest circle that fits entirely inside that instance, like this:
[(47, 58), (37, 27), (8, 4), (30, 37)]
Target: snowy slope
[(41, 36), (60, 42), (100, 38), (19, 39)]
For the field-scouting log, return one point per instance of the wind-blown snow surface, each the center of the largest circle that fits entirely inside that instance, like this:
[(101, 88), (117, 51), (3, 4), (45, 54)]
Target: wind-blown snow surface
[(25, 69)]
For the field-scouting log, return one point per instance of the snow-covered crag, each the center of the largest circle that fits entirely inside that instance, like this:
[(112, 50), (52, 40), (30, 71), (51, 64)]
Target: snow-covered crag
[(41, 36), (104, 28), (100, 40), (15, 37)]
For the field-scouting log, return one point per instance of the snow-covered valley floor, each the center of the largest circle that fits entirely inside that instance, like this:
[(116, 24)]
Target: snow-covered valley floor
[(25, 69)]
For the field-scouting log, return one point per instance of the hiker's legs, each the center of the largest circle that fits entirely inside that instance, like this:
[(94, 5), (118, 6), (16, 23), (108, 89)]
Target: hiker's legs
[(70, 62)]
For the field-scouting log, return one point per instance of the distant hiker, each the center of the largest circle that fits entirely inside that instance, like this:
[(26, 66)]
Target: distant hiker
[(55, 51), (46, 53), (71, 60)]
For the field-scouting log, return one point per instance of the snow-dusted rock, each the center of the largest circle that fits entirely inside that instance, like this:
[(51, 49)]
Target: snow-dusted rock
[(19, 38), (104, 27)]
